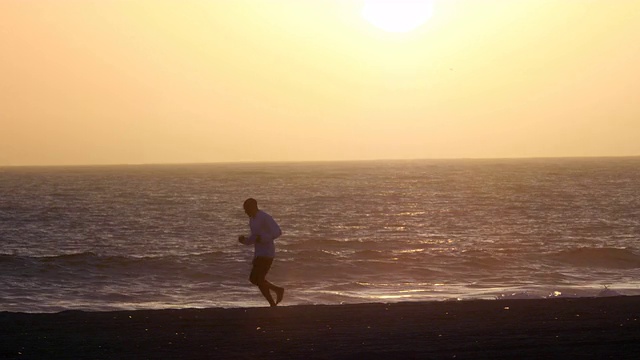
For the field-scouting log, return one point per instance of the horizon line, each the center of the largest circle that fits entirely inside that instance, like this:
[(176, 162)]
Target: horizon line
[(247, 162)]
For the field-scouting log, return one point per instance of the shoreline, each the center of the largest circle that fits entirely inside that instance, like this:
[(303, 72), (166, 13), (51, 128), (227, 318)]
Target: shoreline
[(607, 327)]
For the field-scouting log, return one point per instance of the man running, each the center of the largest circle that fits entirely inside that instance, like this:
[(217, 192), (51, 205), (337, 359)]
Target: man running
[(263, 231)]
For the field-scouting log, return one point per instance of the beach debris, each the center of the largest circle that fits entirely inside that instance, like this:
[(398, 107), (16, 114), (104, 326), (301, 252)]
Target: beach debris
[(606, 292), (558, 294), (517, 295)]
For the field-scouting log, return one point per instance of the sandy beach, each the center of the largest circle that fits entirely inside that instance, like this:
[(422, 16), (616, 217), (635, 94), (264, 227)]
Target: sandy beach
[(594, 328)]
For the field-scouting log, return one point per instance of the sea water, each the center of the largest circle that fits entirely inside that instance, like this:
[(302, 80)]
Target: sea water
[(165, 236)]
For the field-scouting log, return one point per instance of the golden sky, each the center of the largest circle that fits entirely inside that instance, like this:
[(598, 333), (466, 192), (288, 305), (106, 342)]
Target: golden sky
[(174, 81)]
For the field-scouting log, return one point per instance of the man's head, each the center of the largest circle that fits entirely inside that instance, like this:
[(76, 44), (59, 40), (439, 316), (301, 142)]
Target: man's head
[(250, 207)]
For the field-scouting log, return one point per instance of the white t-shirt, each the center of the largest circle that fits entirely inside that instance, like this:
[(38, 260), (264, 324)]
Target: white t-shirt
[(263, 224)]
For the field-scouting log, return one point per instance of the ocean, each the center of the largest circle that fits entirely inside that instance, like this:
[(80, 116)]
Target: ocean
[(165, 236)]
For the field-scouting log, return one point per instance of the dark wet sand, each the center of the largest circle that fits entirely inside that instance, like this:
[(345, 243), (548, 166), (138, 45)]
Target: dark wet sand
[(591, 328)]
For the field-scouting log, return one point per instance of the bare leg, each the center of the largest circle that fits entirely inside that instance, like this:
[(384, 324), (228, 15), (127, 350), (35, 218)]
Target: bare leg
[(279, 295), (264, 287), (259, 271), (279, 291)]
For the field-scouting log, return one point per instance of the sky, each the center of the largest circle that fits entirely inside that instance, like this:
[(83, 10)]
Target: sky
[(196, 81)]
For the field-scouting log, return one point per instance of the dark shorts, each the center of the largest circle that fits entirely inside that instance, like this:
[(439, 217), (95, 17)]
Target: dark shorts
[(261, 266)]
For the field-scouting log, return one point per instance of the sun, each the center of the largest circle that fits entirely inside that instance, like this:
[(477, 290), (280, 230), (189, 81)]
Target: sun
[(397, 16)]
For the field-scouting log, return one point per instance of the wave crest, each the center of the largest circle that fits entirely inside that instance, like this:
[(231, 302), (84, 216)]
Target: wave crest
[(614, 258)]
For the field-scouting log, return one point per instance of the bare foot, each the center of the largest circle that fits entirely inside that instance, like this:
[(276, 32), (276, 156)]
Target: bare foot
[(279, 295)]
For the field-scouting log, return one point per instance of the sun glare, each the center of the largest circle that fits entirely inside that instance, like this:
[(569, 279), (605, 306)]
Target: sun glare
[(397, 16)]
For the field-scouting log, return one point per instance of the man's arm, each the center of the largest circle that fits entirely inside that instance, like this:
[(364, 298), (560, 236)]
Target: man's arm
[(249, 240), (255, 237), (269, 231), (274, 229)]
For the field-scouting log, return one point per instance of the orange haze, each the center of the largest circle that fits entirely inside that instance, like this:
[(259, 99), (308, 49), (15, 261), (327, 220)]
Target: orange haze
[(172, 81)]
